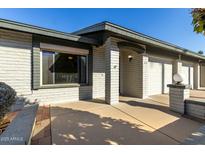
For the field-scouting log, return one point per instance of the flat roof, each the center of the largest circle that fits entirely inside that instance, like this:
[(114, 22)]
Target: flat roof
[(108, 26), (13, 25), (103, 26)]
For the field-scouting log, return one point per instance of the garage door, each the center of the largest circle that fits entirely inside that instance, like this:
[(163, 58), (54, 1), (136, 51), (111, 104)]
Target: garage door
[(160, 74), (167, 77), (192, 77), (187, 75), (155, 78)]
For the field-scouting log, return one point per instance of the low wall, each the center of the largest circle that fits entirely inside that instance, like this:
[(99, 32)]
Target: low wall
[(195, 108), (60, 95), (177, 96), (180, 101), (19, 132)]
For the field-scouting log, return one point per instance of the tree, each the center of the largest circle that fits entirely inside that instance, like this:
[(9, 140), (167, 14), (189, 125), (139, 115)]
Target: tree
[(198, 21), (201, 52)]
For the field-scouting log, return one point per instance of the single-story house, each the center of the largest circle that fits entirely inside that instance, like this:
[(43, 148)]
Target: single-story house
[(101, 61)]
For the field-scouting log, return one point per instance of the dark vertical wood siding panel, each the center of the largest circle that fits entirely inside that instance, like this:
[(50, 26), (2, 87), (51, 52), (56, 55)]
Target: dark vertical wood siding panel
[(90, 67), (36, 68), (202, 75)]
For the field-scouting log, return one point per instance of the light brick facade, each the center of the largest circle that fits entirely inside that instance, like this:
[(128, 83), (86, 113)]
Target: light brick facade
[(16, 69), (98, 72), (145, 72), (134, 74), (177, 96), (111, 71), (196, 76), (194, 109)]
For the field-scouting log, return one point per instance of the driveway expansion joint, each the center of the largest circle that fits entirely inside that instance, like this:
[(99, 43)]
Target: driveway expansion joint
[(114, 106)]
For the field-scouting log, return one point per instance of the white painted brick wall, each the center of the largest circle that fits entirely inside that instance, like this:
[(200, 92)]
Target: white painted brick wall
[(195, 110), (59, 95), (99, 72), (112, 72), (15, 60), (196, 76), (134, 79), (129, 71), (15, 70), (145, 73), (177, 97)]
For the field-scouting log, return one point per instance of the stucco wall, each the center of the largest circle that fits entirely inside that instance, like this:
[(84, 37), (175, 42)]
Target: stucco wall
[(15, 70)]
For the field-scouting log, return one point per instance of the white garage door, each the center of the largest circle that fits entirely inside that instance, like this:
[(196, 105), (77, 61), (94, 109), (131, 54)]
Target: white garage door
[(187, 75), (167, 77), (155, 78), (159, 76), (192, 77)]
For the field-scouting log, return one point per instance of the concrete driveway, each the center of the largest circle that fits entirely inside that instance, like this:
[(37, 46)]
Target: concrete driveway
[(132, 121)]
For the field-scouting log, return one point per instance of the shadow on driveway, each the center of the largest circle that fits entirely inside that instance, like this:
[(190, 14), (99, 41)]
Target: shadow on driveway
[(77, 126), (128, 123)]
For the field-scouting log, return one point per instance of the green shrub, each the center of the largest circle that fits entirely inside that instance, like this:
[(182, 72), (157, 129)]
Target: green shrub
[(7, 98)]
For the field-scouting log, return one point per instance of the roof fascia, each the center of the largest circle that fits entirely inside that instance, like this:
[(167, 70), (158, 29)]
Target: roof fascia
[(107, 26), (43, 31), (129, 33)]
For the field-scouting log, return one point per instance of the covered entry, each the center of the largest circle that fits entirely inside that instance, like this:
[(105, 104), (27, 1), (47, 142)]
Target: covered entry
[(130, 73)]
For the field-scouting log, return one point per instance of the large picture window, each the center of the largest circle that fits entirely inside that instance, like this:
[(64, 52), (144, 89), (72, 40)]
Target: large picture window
[(62, 68)]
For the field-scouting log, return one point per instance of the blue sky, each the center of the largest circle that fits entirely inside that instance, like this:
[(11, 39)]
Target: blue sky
[(171, 25)]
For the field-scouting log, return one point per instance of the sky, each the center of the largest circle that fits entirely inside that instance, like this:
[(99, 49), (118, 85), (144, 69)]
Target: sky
[(171, 25)]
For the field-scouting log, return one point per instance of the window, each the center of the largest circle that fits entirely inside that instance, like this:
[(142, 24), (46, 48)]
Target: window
[(62, 68)]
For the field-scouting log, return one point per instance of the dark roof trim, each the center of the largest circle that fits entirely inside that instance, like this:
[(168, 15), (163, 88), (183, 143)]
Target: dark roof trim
[(7, 24), (138, 36)]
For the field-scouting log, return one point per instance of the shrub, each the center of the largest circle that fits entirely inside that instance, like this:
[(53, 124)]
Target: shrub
[(7, 98)]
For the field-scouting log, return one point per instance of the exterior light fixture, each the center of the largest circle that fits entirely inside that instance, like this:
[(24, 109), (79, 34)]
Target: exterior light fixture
[(70, 57), (178, 78), (130, 57)]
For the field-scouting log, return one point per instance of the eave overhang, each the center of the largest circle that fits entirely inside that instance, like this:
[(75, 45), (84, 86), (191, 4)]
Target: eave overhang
[(7, 24), (127, 33)]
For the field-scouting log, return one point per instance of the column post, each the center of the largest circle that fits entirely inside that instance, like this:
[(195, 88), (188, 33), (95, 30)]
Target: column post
[(145, 79), (196, 76), (111, 71), (177, 66), (178, 93)]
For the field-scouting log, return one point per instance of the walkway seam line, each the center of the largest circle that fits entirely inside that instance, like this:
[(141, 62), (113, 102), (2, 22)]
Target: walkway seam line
[(146, 124)]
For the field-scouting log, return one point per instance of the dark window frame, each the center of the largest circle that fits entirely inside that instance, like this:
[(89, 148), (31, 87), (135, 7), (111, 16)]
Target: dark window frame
[(66, 83)]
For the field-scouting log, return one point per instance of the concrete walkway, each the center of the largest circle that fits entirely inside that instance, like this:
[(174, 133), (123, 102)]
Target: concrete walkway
[(132, 121), (200, 94)]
